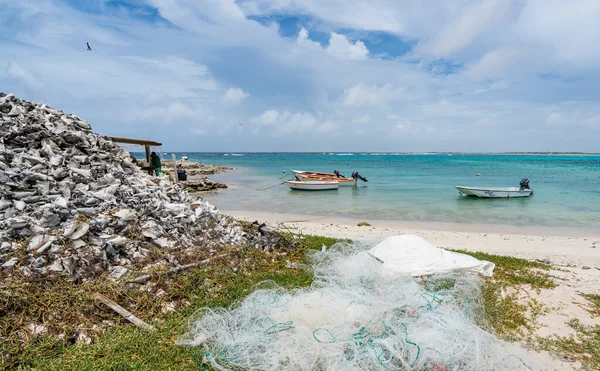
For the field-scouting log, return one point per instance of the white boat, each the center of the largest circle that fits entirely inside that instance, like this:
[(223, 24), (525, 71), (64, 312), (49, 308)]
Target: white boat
[(313, 185), (502, 192), (335, 176), (506, 192), (341, 181), (313, 173)]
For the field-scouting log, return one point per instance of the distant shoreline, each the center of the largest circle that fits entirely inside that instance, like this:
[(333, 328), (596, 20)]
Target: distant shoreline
[(425, 153)]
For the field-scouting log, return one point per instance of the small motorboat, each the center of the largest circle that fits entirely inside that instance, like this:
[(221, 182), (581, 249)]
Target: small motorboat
[(312, 185), (301, 174), (314, 173), (502, 192), (341, 181)]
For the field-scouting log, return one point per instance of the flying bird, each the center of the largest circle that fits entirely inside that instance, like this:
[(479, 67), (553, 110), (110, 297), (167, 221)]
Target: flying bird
[(240, 123), (89, 48)]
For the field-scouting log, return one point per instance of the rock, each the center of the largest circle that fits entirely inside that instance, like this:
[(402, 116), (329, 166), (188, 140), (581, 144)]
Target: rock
[(5, 247), (39, 262), (118, 240), (16, 223), (75, 230), (35, 329), (20, 205), (83, 339), (162, 242), (118, 272), (11, 263), (125, 214), (57, 266), (4, 204), (78, 244), (41, 242), (88, 211), (60, 203)]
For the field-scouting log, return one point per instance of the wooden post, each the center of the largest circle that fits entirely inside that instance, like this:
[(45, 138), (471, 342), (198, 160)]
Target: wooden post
[(147, 147), (175, 176)]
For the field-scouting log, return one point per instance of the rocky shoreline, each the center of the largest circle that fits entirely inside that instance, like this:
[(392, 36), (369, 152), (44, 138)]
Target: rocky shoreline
[(195, 168)]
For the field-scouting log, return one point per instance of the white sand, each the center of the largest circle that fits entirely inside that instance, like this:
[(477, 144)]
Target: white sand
[(577, 252)]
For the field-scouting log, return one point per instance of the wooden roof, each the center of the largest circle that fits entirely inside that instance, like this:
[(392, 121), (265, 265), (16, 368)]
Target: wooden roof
[(141, 142)]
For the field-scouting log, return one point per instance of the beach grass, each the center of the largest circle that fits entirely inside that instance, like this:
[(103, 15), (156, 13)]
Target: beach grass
[(594, 304), (506, 311), (61, 310), (514, 271), (582, 346), (65, 309)]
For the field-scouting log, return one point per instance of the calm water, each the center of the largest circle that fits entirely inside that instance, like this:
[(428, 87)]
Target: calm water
[(418, 187)]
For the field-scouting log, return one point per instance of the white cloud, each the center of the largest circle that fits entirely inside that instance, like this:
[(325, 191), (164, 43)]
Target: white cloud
[(267, 118), (493, 63), (15, 71), (235, 96), (462, 29), (170, 113), (286, 122), (361, 95), (341, 47), (361, 120), (481, 68)]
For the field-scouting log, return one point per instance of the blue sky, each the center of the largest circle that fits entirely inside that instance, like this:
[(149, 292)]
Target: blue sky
[(306, 75)]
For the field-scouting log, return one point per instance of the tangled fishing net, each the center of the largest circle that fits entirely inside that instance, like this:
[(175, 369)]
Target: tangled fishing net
[(354, 317)]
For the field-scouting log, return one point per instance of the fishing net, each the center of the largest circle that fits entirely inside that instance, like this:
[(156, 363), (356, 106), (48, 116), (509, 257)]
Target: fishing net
[(353, 317)]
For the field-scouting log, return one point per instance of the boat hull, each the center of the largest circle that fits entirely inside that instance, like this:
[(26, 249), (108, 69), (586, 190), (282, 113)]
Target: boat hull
[(312, 185), (342, 181), (510, 192), (313, 173)]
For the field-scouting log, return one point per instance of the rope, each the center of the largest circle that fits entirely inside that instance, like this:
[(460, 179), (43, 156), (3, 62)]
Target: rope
[(263, 189)]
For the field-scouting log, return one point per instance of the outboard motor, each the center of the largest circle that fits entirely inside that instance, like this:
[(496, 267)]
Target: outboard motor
[(356, 175), (337, 174), (524, 183)]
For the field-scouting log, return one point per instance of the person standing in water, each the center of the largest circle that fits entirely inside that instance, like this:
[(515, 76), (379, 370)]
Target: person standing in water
[(155, 162)]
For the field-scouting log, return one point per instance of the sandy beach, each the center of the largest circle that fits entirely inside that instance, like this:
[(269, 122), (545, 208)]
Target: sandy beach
[(570, 248), (575, 253)]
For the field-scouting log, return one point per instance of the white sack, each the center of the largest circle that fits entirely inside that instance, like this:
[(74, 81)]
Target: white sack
[(412, 255)]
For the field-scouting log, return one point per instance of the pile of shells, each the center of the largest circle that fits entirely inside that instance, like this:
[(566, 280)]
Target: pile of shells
[(73, 203)]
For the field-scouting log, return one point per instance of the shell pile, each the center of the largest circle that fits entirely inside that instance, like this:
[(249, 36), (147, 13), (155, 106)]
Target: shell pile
[(73, 203)]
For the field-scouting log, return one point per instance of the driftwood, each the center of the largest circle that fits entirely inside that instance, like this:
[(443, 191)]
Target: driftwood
[(146, 277), (123, 312)]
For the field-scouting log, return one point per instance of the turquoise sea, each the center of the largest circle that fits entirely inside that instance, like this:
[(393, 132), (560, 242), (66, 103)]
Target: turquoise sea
[(417, 187)]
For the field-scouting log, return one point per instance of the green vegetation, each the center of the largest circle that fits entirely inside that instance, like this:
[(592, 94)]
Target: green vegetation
[(510, 317), (64, 309), (594, 306), (514, 271), (583, 346)]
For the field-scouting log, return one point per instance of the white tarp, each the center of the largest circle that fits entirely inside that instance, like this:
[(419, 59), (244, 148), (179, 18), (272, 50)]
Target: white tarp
[(412, 255)]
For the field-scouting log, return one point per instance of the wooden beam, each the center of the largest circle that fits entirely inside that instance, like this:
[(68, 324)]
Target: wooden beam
[(141, 142), (123, 312)]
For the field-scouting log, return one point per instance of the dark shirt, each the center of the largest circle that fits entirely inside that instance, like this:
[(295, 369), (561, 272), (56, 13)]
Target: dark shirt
[(155, 160)]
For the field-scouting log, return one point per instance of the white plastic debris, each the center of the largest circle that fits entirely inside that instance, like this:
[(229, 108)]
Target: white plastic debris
[(412, 255)]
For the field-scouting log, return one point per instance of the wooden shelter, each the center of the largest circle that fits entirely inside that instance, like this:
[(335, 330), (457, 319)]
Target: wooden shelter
[(138, 142)]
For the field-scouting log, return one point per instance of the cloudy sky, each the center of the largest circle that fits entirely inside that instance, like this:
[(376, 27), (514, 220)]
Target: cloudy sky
[(315, 75)]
